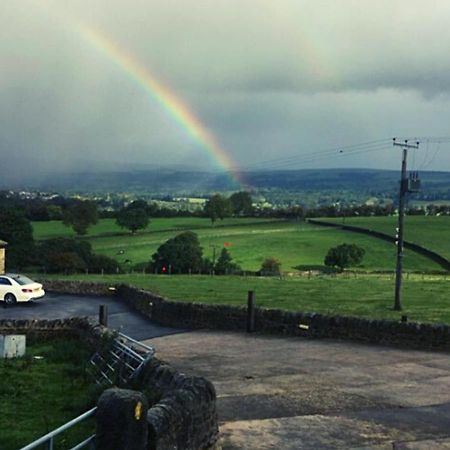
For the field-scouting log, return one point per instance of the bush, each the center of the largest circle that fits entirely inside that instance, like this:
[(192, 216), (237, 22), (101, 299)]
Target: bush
[(70, 256), (344, 255), (99, 263), (270, 266), (67, 262)]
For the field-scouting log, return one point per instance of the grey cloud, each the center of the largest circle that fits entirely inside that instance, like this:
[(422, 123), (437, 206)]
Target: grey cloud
[(267, 78)]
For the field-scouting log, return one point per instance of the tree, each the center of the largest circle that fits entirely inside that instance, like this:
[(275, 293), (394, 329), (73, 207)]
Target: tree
[(241, 203), (225, 263), (270, 266), (72, 255), (16, 230), (133, 218), (217, 207), (80, 216), (179, 254), (344, 255)]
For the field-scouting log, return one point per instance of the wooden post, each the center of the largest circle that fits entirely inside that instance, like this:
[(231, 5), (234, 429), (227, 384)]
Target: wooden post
[(103, 315), (251, 312)]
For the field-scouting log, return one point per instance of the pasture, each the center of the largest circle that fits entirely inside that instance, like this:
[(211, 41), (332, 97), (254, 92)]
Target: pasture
[(298, 245), (432, 232), (425, 297)]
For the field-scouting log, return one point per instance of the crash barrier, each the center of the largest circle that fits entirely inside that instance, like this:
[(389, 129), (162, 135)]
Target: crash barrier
[(443, 262)]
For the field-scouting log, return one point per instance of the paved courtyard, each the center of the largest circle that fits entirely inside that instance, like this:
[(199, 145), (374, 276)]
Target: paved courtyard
[(290, 393)]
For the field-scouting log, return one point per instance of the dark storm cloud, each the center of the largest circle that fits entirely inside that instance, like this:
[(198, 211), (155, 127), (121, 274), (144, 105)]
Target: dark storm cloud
[(267, 78)]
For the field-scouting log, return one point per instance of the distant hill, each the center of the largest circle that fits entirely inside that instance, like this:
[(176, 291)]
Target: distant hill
[(435, 184)]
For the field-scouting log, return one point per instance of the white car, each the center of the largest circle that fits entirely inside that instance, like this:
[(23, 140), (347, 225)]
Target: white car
[(18, 288)]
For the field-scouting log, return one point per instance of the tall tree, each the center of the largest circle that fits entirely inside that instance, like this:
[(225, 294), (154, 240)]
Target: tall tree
[(241, 203), (181, 253), (217, 207), (225, 264), (133, 218), (80, 216)]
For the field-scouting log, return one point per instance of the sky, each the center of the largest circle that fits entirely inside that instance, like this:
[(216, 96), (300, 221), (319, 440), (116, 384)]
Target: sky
[(283, 84)]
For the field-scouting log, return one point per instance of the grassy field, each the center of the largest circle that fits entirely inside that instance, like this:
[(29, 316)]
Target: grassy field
[(428, 231), (38, 395), (298, 245), (425, 298)]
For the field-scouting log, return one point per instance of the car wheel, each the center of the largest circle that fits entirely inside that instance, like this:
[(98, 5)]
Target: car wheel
[(10, 299)]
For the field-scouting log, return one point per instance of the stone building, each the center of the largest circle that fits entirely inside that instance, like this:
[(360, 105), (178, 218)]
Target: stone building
[(2, 256)]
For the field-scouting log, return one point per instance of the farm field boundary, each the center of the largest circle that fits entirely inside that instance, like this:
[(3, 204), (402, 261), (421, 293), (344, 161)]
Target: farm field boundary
[(436, 257), (278, 322)]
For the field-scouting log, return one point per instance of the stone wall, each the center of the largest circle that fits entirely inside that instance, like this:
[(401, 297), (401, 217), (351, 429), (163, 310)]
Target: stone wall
[(72, 327), (275, 321), (182, 412), (77, 288)]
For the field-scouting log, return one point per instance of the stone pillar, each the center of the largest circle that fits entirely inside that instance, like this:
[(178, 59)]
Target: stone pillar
[(121, 420), (2, 257)]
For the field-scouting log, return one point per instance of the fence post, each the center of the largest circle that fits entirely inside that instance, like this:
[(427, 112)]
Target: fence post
[(251, 312), (103, 315)]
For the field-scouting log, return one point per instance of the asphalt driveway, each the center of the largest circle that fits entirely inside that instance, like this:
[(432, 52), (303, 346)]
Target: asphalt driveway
[(57, 306), (290, 393)]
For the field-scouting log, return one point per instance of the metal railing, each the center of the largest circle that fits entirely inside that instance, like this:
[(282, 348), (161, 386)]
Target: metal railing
[(126, 356), (49, 437)]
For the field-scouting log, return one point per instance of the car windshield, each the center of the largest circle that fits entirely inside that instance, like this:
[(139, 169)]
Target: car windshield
[(22, 280)]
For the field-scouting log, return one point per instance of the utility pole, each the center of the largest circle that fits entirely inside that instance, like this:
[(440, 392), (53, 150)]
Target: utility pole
[(214, 247), (406, 185)]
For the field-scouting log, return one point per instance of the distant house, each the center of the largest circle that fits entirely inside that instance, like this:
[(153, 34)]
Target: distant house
[(3, 245)]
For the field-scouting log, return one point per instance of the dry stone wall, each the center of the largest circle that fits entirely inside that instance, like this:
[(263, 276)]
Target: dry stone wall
[(288, 323), (183, 412), (80, 327)]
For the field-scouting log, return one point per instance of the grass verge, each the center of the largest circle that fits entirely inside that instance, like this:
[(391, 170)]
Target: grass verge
[(40, 394)]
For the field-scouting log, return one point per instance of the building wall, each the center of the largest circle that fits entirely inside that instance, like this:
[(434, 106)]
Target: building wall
[(2, 260)]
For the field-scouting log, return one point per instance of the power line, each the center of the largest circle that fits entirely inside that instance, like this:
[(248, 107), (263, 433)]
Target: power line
[(325, 151), (340, 151)]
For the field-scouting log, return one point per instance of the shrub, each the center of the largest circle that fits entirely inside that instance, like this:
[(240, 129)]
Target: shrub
[(344, 255), (67, 262), (270, 266), (99, 263)]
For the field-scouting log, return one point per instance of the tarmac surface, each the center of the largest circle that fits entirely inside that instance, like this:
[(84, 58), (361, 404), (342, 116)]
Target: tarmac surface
[(56, 306), (292, 393)]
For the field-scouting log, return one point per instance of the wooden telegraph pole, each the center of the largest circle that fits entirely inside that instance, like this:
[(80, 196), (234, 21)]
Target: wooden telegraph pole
[(407, 185)]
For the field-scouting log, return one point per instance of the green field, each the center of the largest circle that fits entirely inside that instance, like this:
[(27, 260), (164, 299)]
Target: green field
[(298, 245), (425, 298), (37, 395), (428, 231)]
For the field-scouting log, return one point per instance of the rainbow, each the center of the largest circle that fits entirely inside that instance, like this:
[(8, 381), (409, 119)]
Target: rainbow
[(161, 94)]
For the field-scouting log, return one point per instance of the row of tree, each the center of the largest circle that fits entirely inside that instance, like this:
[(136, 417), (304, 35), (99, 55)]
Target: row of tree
[(181, 254)]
